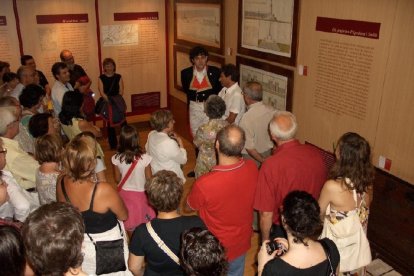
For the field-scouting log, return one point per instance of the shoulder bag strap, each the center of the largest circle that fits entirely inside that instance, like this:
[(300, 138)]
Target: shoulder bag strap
[(120, 230), (62, 185), (331, 271), (131, 168), (161, 244)]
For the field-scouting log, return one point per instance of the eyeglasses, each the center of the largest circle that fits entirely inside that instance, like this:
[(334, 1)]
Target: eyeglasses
[(3, 150)]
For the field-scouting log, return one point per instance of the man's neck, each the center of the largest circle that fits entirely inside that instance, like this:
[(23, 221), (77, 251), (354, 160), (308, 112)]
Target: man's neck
[(279, 143), (224, 160)]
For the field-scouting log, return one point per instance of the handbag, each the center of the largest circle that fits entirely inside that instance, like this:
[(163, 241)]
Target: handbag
[(350, 239), (330, 271), (161, 244), (109, 255)]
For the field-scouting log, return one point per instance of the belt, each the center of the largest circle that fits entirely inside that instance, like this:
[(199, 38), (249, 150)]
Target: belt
[(199, 97)]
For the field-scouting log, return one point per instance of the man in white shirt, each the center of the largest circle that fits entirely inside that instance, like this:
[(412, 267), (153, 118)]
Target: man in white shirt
[(61, 73), (26, 76), (255, 123), (22, 166), (231, 94)]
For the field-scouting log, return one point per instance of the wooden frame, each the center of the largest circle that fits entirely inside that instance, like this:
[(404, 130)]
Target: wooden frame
[(277, 82), (270, 49), (182, 60), (206, 10)]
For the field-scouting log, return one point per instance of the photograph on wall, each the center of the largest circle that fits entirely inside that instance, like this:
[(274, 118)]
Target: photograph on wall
[(182, 61), (276, 82), (267, 29), (199, 23)]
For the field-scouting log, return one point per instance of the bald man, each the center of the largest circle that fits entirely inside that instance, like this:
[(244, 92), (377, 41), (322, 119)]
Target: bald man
[(293, 166), (224, 197)]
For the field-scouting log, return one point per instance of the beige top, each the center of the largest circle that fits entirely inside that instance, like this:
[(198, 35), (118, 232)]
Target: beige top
[(255, 123)]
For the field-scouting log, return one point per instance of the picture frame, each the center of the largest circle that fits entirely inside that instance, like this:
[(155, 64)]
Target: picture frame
[(268, 30), (277, 82), (199, 22), (182, 61)]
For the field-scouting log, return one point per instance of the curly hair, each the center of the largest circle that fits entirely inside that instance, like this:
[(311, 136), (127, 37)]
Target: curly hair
[(215, 107), (164, 191), (201, 253), (53, 236), (129, 148), (71, 107), (196, 51), (301, 216), (354, 162)]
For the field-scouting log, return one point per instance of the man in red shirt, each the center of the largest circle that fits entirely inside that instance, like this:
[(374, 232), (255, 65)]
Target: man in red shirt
[(293, 166), (224, 197)]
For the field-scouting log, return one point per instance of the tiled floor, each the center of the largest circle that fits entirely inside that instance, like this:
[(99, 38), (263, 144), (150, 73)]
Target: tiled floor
[(380, 268)]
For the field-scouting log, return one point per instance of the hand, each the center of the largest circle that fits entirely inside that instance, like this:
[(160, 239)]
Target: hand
[(263, 257)]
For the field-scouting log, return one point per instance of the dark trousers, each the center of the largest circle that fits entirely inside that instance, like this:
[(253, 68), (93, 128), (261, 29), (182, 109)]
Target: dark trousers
[(112, 139), (277, 231)]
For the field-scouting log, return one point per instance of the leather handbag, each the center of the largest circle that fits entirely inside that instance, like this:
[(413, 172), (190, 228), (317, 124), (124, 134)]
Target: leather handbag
[(109, 255)]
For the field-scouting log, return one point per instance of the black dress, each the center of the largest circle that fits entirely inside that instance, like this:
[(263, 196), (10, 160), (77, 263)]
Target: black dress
[(278, 266), (111, 88)]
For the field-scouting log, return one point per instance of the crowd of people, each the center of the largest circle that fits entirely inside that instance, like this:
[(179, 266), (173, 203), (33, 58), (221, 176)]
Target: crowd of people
[(59, 215)]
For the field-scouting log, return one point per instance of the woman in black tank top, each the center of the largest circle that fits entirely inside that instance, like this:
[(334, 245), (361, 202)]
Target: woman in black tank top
[(100, 205)]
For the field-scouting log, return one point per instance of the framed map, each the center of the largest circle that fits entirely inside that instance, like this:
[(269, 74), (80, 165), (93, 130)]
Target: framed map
[(268, 29), (277, 82), (182, 61), (198, 22)]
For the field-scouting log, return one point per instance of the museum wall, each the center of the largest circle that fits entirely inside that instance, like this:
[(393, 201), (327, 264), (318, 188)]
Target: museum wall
[(133, 33), (353, 83)]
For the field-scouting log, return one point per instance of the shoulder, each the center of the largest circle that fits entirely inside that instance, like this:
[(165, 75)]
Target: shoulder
[(192, 221), (114, 159), (105, 189), (275, 266), (332, 185), (187, 70), (333, 250)]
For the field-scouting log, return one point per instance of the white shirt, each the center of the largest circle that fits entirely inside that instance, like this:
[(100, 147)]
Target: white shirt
[(255, 123), (233, 98), (58, 90), (136, 180), (20, 202), (166, 154), (17, 91)]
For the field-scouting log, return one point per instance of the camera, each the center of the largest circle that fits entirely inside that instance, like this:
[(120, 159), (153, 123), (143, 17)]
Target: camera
[(272, 246)]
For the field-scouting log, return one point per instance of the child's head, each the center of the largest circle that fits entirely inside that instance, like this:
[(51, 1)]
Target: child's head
[(48, 148), (129, 147)]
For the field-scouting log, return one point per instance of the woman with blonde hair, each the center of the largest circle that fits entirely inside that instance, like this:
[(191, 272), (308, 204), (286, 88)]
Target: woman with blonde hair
[(345, 199), (99, 203)]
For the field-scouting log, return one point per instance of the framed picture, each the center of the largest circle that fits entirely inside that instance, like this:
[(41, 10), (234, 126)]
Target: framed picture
[(277, 82), (198, 22), (182, 61), (268, 29)]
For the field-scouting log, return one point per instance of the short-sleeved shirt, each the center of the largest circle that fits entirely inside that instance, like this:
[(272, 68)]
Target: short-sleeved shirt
[(233, 98), (224, 198), (278, 266), (255, 123), (293, 166), (136, 181), (169, 230)]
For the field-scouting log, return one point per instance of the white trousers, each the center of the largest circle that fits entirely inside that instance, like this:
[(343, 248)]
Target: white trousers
[(197, 116)]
